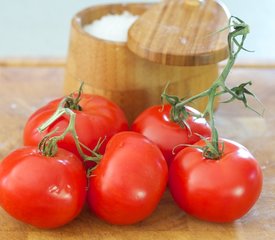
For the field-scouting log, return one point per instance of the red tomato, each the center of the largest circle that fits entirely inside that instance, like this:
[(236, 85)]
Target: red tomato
[(220, 190), (98, 118), (155, 124), (46, 192), (130, 180)]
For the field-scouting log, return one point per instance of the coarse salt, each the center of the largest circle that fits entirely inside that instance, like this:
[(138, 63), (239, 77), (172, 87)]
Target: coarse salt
[(112, 27)]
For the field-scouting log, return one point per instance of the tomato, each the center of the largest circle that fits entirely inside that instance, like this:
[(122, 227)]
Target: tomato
[(98, 118), (129, 181), (155, 124), (46, 192), (220, 190)]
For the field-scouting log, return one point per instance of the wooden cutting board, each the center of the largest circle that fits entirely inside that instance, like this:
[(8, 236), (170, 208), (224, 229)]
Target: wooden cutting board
[(24, 89)]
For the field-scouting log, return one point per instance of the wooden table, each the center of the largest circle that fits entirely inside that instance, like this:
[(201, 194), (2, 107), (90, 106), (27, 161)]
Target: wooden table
[(24, 89)]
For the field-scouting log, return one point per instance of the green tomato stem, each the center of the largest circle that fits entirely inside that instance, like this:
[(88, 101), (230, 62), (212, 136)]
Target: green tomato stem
[(179, 113), (57, 114), (48, 144)]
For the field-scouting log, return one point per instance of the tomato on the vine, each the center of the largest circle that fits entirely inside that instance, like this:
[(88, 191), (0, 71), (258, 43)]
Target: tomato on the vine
[(156, 125), (46, 192), (96, 118), (129, 181), (221, 190)]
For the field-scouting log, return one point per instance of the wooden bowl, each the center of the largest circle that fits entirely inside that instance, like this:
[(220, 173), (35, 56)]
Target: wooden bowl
[(110, 69)]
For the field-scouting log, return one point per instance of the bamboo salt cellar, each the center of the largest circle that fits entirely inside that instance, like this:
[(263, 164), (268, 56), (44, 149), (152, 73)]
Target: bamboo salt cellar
[(176, 41)]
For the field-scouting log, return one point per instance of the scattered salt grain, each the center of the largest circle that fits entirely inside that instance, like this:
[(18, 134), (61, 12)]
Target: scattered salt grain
[(112, 27), (13, 106)]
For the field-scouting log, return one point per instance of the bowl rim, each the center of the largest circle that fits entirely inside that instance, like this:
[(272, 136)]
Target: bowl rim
[(78, 25)]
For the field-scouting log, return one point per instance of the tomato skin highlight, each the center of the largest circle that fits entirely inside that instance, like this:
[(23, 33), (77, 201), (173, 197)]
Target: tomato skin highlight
[(46, 192), (155, 124), (130, 180), (98, 118), (216, 190)]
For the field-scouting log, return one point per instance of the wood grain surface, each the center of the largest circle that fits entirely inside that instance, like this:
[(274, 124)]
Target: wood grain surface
[(23, 90), (183, 33)]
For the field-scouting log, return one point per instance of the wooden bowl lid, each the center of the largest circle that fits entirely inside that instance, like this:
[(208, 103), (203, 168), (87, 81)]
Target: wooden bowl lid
[(181, 32)]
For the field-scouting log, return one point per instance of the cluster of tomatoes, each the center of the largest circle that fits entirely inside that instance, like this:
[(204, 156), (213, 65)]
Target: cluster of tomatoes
[(137, 164)]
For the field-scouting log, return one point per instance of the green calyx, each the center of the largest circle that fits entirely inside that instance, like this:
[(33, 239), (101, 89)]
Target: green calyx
[(72, 102)]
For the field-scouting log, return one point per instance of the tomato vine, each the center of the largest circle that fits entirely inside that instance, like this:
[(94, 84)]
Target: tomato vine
[(48, 145), (179, 114)]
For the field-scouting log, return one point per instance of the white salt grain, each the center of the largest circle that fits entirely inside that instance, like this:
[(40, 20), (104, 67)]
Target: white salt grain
[(112, 27)]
